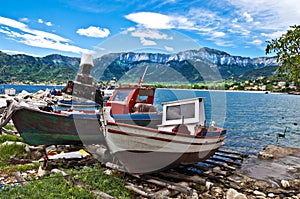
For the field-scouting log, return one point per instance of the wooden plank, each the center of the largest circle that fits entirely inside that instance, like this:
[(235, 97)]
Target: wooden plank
[(137, 189), (229, 156), (227, 161), (165, 183), (221, 165), (195, 178)]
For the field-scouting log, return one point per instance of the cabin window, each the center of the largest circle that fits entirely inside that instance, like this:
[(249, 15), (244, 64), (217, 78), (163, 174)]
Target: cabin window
[(177, 112), (121, 95), (146, 92), (142, 98)]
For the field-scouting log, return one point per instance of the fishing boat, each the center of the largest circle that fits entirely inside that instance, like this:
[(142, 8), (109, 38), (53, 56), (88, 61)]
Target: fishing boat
[(134, 104), (39, 127), (182, 137), (79, 125)]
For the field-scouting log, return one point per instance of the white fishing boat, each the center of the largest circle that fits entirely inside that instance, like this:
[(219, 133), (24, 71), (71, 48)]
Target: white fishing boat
[(181, 138)]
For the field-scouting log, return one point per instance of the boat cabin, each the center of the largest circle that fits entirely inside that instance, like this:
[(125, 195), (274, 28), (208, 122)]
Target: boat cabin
[(132, 99), (183, 114)]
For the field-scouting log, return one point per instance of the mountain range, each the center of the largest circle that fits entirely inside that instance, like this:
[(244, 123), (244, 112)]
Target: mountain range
[(190, 66)]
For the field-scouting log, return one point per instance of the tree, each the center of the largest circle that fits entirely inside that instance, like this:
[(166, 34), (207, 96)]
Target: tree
[(287, 48)]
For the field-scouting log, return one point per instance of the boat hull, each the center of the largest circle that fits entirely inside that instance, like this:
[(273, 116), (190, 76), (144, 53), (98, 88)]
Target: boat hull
[(145, 150), (47, 128)]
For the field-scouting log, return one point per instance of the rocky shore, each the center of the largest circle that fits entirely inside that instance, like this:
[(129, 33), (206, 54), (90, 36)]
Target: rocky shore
[(274, 173)]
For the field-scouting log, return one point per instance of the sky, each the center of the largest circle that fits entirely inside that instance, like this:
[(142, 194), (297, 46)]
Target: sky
[(75, 27)]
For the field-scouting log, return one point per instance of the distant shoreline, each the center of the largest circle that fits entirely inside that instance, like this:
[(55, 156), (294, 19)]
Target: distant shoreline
[(209, 90)]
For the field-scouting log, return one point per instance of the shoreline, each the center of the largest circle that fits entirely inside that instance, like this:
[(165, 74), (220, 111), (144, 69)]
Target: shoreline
[(209, 90)]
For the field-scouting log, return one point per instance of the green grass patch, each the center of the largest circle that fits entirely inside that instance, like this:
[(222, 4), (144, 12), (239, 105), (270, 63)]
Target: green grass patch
[(6, 151), (96, 178), (55, 186), (50, 187), (19, 167), (9, 127), (4, 138)]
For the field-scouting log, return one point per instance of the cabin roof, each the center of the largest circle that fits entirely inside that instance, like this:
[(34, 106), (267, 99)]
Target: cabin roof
[(183, 100)]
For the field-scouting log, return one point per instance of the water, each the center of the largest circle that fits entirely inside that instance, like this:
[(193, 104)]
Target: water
[(28, 88), (252, 119)]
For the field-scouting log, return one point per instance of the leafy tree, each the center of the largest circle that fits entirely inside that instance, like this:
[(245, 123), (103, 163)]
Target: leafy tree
[(287, 48)]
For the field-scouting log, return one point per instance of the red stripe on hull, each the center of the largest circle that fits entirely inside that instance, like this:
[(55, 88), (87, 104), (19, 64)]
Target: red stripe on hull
[(168, 140)]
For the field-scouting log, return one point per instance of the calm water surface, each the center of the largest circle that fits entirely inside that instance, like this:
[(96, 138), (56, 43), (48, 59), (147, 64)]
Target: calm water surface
[(252, 119)]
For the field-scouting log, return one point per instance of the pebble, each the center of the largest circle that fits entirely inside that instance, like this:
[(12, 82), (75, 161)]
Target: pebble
[(285, 184), (259, 193), (271, 195), (233, 194)]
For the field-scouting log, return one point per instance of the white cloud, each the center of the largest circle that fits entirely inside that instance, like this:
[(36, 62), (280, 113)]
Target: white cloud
[(36, 38), (48, 23), (256, 42), (273, 35), (14, 52), (146, 42), (275, 15), (151, 20), (150, 33), (218, 34), (24, 19), (168, 48), (147, 36), (223, 43), (93, 31), (41, 21), (248, 17)]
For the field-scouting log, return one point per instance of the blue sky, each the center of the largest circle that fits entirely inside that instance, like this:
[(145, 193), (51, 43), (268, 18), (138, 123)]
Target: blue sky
[(74, 27)]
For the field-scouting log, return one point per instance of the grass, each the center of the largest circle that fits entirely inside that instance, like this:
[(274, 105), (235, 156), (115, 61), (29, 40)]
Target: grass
[(7, 151), (9, 127), (56, 186), (18, 151), (8, 137), (50, 187), (95, 177)]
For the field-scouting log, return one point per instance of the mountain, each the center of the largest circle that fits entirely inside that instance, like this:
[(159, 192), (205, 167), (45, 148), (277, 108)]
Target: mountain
[(51, 68), (189, 66)]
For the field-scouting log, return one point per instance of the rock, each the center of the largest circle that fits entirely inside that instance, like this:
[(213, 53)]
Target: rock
[(233, 194), (217, 192), (295, 184), (206, 196), (271, 195), (285, 184), (261, 185), (42, 172), (265, 156), (258, 193), (272, 151), (208, 185)]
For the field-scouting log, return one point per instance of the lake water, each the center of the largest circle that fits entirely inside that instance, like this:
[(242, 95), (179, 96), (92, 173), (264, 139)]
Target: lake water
[(252, 119)]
